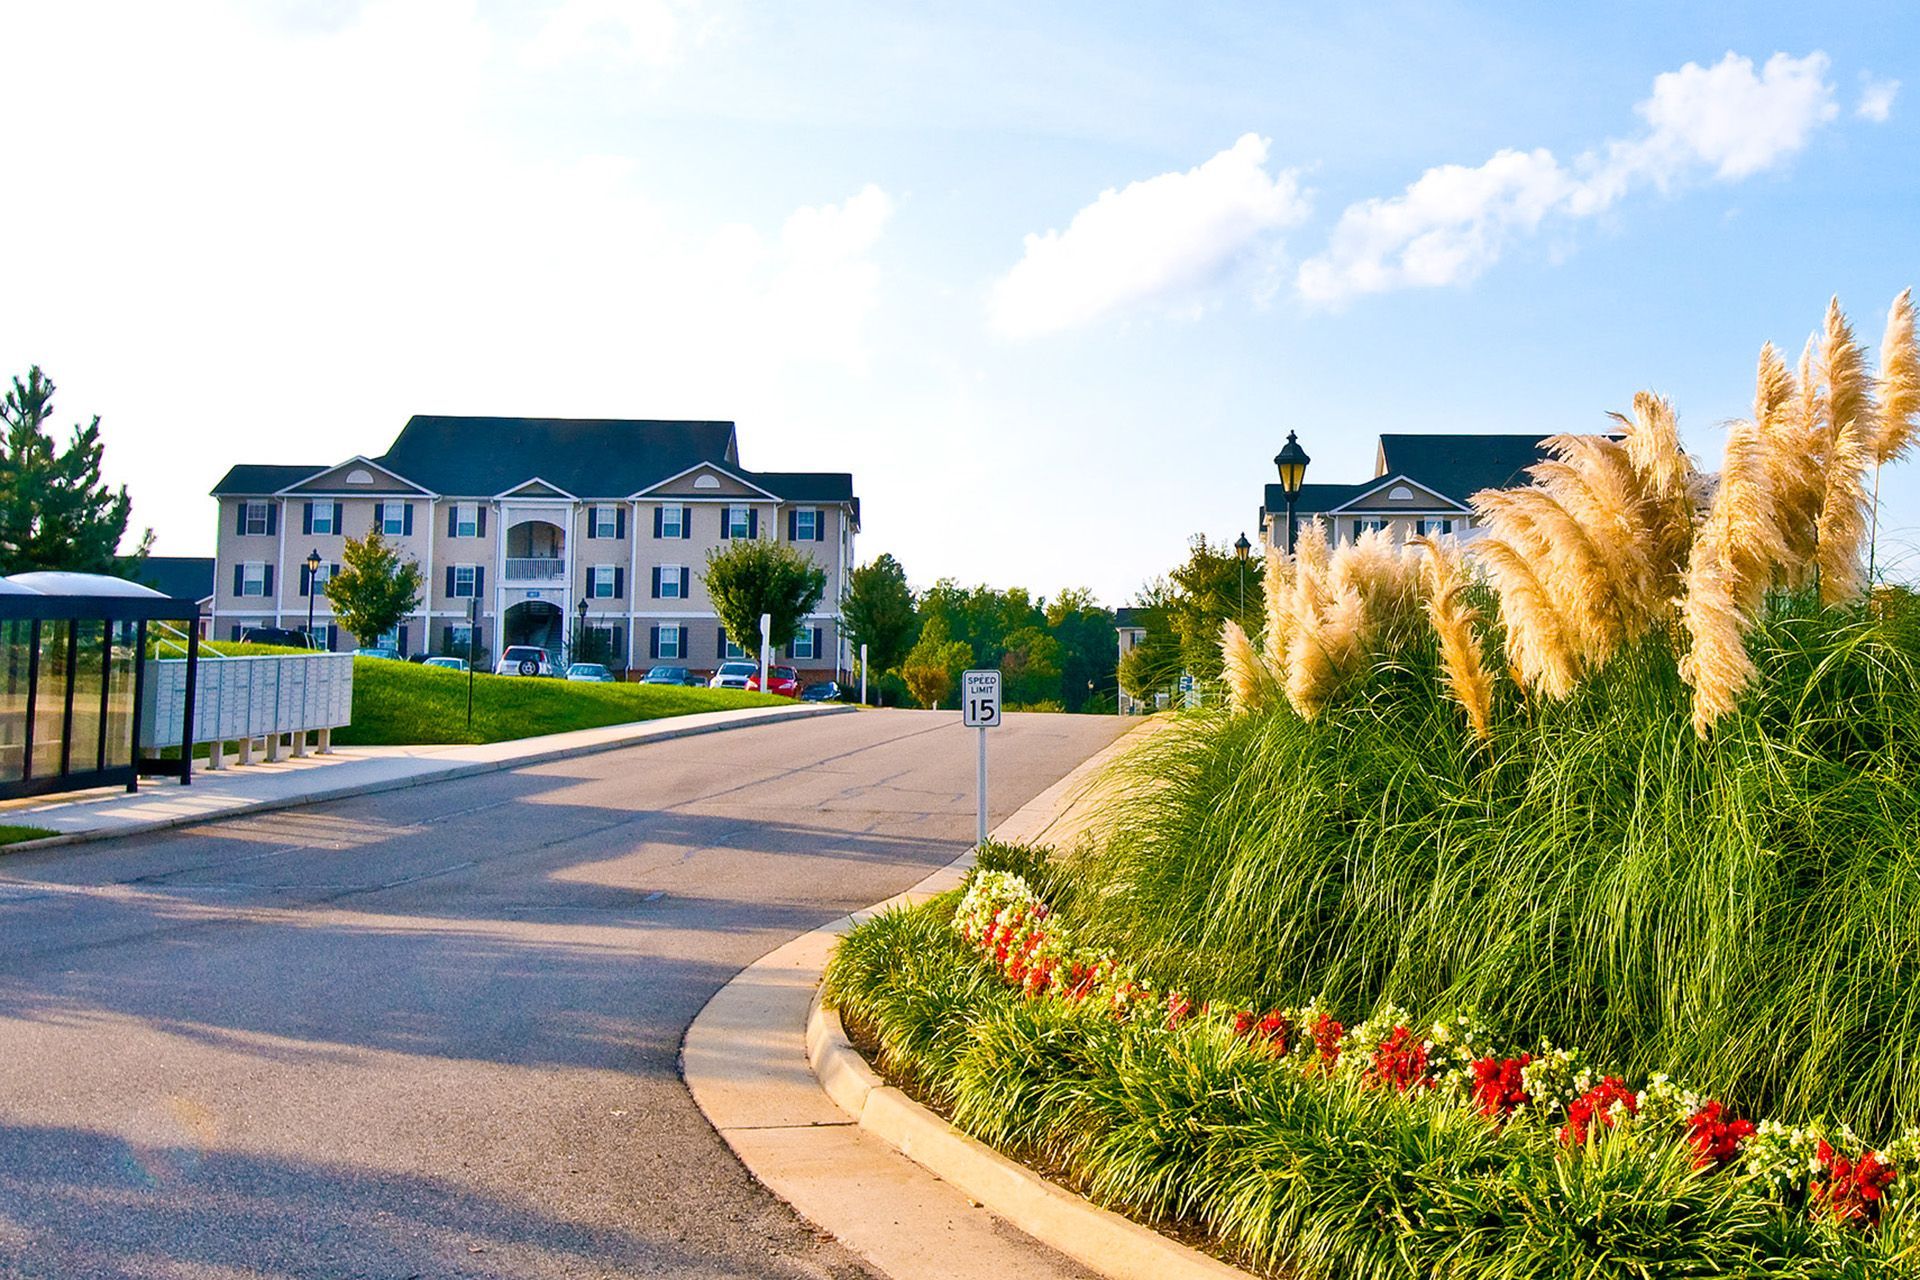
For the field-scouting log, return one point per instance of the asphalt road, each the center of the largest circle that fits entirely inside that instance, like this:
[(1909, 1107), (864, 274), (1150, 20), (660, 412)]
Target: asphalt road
[(433, 1033)]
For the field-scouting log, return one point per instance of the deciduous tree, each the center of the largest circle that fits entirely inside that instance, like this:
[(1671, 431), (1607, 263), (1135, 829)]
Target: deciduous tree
[(375, 588), (752, 576), (878, 612)]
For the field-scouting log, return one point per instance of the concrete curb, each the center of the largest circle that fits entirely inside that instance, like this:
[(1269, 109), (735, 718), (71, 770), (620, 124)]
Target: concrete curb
[(643, 732), (718, 1060)]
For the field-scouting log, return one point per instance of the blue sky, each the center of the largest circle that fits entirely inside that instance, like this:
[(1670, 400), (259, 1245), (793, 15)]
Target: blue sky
[(877, 238)]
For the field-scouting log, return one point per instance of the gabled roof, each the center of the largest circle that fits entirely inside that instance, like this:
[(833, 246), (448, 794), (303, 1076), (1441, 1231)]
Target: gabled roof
[(1460, 465), (182, 577), (537, 487), (262, 478), (358, 462), (1315, 498), (731, 473), (591, 457), (1419, 497)]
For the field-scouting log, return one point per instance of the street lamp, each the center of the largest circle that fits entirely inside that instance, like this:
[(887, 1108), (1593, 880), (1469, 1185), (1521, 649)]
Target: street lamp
[(580, 641), (1240, 549), (1292, 462), (313, 589)]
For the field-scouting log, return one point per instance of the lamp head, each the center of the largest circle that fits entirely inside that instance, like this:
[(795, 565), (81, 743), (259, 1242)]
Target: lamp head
[(1292, 462), (1241, 547)]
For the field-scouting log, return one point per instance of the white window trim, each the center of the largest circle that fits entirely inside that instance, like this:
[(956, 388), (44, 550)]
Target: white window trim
[(745, 528), (731, 652), (323, 513), (248, 580), (793, 650), (612, 514), (598, 574), (393, 513), (676, 526), (670, 582), (811, 515), (473, 579), (662, 632), (252, 507), (466, 519)]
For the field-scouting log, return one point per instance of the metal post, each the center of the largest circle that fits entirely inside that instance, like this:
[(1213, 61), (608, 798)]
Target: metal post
[(981, 837), (766, 645), (1290, 525), (863, 675), (139, 697), (33, 702), (473, 624), (186, 712)]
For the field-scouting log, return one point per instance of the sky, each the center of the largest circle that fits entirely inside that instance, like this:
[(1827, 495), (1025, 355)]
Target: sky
[(1052, 281)]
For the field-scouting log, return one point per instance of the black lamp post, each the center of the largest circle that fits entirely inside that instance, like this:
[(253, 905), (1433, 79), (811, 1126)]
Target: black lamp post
[(580, 641), (313, 589), (1240, 549), (1292, 462)]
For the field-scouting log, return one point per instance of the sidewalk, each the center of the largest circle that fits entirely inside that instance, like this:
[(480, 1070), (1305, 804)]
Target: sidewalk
[(348, 771)]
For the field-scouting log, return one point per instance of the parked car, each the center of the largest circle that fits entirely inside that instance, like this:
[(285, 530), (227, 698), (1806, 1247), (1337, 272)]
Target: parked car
[(524, 660), (671, 675), (391, 655), (589, 673), (782, 681), (449, 664), (734, 675), (821, 691), (285, 637)]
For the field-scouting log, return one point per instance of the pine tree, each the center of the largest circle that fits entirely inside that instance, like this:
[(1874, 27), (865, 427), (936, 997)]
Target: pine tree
[(55, 512)]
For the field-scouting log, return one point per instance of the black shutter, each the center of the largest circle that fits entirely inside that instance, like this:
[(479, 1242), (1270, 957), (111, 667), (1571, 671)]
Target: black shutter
[(306, 523), (449, 581), (591, 521), (240, 523), (380, 516), (816, 643), (686, 582), (480, 520), (239, 578), (273, 518), (339, 514), (819, 526), (659, 520), (653, 642), (686, 522), (656, 582), (619, 583), (303, 580), (406, 517), (453, 521), (726, 523), (620, 521), (236, 631), (719, 644), (793, 525), (269, 582), (479, 581), (403, 639), (753, 523)]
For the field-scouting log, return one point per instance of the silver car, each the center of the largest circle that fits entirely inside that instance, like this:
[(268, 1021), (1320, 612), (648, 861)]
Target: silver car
[(524, 660), (734, 675)]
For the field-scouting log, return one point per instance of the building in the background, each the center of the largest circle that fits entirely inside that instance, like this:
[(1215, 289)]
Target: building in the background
[(1126, 626), (1420, 484), (517, 521), (183, 578)]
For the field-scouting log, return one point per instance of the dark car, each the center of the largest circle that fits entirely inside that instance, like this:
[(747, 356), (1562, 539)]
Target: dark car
[(671, 675), (821, 691), (285, 637)]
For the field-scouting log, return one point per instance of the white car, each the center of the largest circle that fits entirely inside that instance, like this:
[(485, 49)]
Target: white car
[(445, 663), (734, 675), (524, 660)]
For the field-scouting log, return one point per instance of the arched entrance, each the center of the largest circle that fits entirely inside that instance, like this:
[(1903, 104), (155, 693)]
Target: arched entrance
[(535, 622)]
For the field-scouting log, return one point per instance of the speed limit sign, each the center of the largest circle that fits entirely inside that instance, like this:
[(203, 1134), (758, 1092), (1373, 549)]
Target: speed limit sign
[(980, 699)]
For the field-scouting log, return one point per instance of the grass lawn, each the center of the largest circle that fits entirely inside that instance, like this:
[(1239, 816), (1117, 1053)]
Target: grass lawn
[(404, 702), (10, 834)]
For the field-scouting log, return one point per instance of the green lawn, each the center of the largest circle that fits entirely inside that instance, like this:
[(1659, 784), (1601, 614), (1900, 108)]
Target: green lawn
[(404, 702), (10, 834)]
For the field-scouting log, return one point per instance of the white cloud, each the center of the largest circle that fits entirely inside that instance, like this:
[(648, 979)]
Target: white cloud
[(1453, 222), (647, 31), (1876, 99), (1166, 240)]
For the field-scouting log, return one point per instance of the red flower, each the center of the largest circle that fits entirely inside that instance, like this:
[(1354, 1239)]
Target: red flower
[(1597, 1103), (1853, 1188), (1401, 1061), (1326, 1040), (1715, 1138), (1497, 1086), (1179, 1009)]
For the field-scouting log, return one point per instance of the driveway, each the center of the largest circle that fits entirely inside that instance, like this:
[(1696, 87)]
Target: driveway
[(432, 1033)]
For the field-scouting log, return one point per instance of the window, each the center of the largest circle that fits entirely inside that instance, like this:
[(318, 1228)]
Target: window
[(669, 582), (670, 642), (1399, 493), (393, 519), (322, 518), (1368, 526), (739, 522), (805, 643), (256, 518), (606, 522), (466, 519), (671, 522), (805, 525), (730, 650), (318, 586), (253, 579), (459, 639), (466, 581), (608, 644), (1435, 526), (325, 636), (603, 582)]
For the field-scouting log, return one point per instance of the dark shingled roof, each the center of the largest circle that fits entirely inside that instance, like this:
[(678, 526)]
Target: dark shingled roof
[(1123, 617), (1460, 466), (182, 577), (587, 457), (254, 478), (600, 458)]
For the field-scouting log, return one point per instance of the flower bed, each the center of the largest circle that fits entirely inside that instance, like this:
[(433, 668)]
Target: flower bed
[(1300, 1145)]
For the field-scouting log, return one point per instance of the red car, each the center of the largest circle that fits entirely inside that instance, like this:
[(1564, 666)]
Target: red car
[(784, 681)]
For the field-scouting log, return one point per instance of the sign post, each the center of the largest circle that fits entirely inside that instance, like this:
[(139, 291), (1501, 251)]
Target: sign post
[(980, 709), (473, 639), (766, 648), (863, 675)]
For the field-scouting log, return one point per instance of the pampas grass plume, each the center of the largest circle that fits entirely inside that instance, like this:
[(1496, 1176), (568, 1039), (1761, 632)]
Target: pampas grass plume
[(1462, 666), (1899, 382), (1249, 684)]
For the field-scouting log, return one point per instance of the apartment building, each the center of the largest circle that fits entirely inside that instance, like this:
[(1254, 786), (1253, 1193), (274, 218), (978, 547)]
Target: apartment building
[(515, 521), (1421, 485)]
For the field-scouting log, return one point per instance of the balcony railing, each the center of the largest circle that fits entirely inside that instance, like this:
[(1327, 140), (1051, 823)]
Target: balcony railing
[(535, 569)]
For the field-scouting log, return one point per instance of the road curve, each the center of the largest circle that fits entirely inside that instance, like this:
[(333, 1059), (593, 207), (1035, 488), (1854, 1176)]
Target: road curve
[(432, 1033)]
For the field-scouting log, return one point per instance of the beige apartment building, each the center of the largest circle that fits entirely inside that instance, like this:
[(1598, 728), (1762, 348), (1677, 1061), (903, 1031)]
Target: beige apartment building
[(516, 521)]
